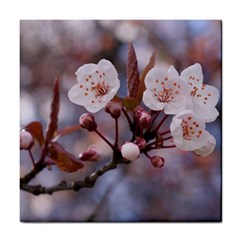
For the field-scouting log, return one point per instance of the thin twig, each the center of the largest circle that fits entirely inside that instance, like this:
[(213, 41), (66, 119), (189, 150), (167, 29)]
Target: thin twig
[(161, 123), (87, 182), (127, 117), (116, 133), (31, 157), (101, 136)]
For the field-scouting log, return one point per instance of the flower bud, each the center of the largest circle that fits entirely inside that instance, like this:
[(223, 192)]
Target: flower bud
[(141, 143), (26, 140), (92, 154), (114, 108), (138, 110), (130, 151), (144, 119), (157, 161), (87, 121)]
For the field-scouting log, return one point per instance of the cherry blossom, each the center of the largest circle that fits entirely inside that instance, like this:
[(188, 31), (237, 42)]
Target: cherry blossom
[(204, 97), (165, 91), (130, 151), (208, 148), (97, 85), (188, 131)]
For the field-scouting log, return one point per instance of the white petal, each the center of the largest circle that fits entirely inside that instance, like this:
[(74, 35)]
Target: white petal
[(85, 70), (172, 72), (111, 75), (193, 75), (152, 101), (177, 105), (75, 94), (208, 114), (153, 77), (208, 148), (207, 95), (93, 107)]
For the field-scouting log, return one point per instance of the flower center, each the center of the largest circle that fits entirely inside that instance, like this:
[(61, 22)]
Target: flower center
[(165, 95), (190, 130), (100, 89)]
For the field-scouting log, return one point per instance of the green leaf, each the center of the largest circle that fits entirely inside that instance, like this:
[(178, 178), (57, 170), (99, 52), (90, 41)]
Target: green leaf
[(53, 119), (132, 72), (142, 87), (35, 128), (64, 160), (130, 103)]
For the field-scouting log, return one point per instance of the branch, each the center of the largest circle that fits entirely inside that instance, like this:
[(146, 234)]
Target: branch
[(38, 168), (87, 182)]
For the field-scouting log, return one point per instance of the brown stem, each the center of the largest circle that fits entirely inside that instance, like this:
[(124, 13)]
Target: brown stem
[(87, 182)]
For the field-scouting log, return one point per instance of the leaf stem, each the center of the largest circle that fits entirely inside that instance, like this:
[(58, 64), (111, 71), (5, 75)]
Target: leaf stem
[(32, 158), (169, 146), (153, 120), (116, 133), (161, 123), (167, 138), (165, 132), (127, 116)]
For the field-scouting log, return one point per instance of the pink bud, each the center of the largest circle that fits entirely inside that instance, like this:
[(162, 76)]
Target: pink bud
[(130, 151), (114, 108), (92, 154), (87, 121), (157, 161), (138, 110), (26, 140), (141, 143), (144, 119)]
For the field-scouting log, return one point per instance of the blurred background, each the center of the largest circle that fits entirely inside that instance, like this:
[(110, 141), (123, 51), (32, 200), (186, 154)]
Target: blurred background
[(187, 188)]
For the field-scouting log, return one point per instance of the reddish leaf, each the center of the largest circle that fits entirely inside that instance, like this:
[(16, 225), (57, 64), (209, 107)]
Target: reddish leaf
[(66, 130), (63, 159), (130, 103), (35, 128), (142, 87), (53, 121), (132, 72)]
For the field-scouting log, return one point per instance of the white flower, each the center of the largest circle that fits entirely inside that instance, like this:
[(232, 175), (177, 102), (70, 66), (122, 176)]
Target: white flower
[(208, 148), (130, 151), (165, 91), (204, 97), (188, 131), (97, 85)]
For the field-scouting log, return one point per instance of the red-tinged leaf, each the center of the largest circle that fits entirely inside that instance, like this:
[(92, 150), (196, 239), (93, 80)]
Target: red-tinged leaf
[(35, 128), (132, 72), (64, 160), (66, 130), (130, 103), (53, 120), (142, 87)]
